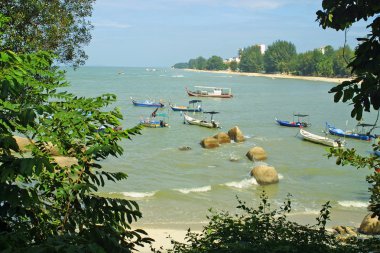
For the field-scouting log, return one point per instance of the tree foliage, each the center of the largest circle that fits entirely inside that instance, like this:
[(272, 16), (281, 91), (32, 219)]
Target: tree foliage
[(279, 56), (251, 60), (60, 26), (215, 63), (363, 90), (265, 230), (48, 206)]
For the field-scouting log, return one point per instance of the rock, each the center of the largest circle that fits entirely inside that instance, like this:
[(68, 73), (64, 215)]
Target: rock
[(265, 174), (65, 161), (52, 149), (370, 225), (222, 138), (23, 143), (350, 231), (340, 230), (236, 135), (256, 154), (210, 142), (184, 148)]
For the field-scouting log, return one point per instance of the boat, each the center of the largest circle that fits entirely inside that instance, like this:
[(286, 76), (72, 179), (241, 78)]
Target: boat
[(147, 103), (295, 123), (350, 134), (194, 106), (321, 139), (204, 123), (215, 92), (153, 122)]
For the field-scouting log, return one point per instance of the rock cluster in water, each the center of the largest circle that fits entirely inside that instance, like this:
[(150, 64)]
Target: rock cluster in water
[(215, 141)]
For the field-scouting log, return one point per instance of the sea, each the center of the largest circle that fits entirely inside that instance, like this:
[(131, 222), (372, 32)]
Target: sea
[(179, 189)]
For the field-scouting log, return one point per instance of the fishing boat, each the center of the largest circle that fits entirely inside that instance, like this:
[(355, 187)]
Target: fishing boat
[(153, 122), (299, 122), (321, 139), (194, 106), (215, 92), (147, 103), (202, 122), (350, 134)]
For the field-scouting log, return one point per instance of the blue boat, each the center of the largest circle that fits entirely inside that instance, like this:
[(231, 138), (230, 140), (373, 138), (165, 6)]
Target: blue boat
[(294, 123), (351, 134), (147, 103), (153, 122), (194, 106)]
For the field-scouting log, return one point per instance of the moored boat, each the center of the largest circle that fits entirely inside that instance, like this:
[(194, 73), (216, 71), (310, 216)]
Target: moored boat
[(194, 106), (147, 103), (295, 123), (349, 134), (321, 139), (152, 122), (215, 92), (201, 122)]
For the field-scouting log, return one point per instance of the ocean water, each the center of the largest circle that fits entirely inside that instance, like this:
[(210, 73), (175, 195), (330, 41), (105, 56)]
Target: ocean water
[(176, 188)]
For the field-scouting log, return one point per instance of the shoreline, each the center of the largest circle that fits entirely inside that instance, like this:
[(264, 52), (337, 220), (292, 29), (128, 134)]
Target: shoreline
[(274, 76)]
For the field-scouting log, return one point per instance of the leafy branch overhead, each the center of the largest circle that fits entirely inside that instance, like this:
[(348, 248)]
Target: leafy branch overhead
[(364, 89), (48, 205)]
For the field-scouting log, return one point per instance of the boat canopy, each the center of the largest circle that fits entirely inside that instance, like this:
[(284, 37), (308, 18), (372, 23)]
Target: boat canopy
[(208, 87), (211, 112), (300, 115), (195, 101)]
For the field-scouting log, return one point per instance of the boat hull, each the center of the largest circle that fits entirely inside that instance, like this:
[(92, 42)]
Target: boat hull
[(320, 139), (202, 123), (200, 94), (154, 124), (185, 109), (147, 104), (341, 133), (291, 124)]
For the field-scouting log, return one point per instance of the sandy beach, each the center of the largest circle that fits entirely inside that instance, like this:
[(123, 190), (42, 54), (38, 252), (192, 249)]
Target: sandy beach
[(274, 76)]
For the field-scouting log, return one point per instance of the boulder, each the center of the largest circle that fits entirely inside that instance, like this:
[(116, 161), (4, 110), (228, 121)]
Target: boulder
[(222, 138), (265, 174), (369, 225), (184, 148), (210, 142), (236, 135), (65, 161), (256, 154), (23, 143)]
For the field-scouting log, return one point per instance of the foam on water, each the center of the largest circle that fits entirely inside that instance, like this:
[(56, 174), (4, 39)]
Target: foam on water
[(351, 203), (245, 183), (139, 194), (196, 189)]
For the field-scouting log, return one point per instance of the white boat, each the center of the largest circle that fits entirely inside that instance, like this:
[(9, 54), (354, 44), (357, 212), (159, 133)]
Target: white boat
[(321, 139), (204, 123), (214, 92)]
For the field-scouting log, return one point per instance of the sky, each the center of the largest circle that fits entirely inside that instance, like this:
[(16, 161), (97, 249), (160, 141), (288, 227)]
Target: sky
[(160, 33)]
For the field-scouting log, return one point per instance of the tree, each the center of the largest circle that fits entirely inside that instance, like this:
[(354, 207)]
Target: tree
[(48, 205), (279, 56), (181, 65), (215, 63), (341, 58), (234, 65), (363, 90), (61, 26), (251, 59)]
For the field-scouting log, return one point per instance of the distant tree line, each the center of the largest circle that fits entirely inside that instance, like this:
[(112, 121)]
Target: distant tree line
[(281, 57)]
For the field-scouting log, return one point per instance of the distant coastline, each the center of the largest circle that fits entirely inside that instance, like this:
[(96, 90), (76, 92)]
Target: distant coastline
[(273, 76)]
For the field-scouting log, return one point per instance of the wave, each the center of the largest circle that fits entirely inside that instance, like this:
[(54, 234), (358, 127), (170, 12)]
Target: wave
[(178, 76), (196, 189), (138, 194), (351, 203), (280, 176), (245, 183)]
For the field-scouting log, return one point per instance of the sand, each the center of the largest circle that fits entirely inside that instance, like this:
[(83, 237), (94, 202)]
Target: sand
[(274, 76)]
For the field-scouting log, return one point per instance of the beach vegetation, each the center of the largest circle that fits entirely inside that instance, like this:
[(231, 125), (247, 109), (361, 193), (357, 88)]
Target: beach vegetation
[(198, 63), (215, 63), (264, 229), (234, 65), (49, 184), (181, 65), (60, 26), (363, 91), (280, 57), (251, 60)]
